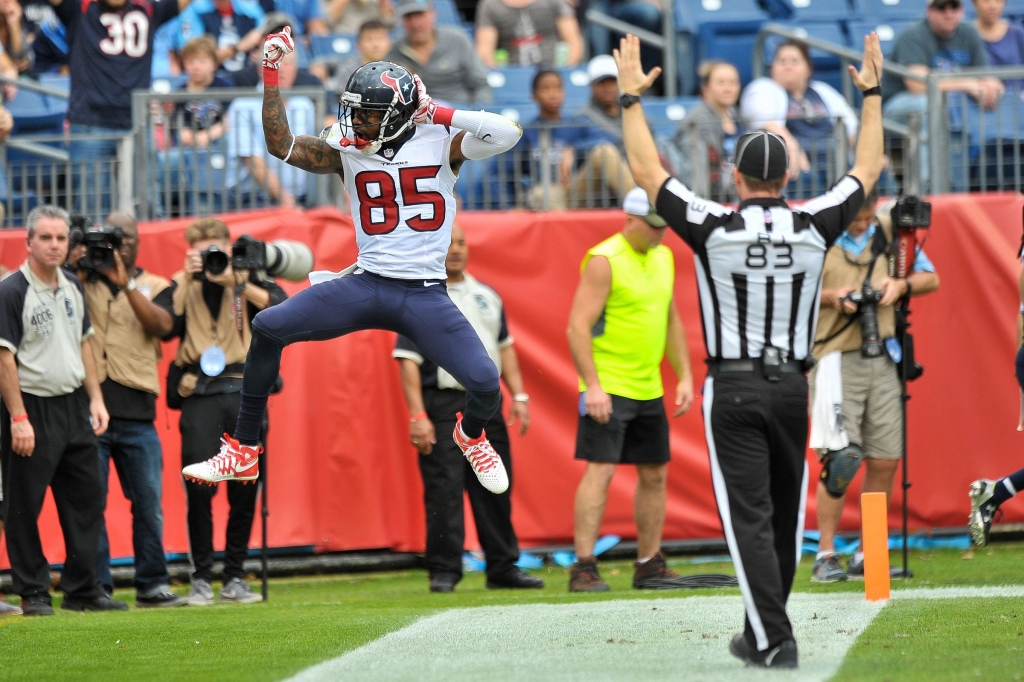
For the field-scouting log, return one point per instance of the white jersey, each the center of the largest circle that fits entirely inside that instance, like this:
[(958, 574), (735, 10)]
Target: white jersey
[(403, 207)]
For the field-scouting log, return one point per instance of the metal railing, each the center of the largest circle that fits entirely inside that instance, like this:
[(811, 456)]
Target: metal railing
[(185, 165), (973, 148), (666, 42)]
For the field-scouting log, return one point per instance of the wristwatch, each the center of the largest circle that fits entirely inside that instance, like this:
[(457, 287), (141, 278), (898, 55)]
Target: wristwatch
[(131, 285), (521, 398), (627, 100)]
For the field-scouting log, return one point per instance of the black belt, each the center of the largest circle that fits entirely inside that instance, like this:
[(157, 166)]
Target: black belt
[(752, 365)]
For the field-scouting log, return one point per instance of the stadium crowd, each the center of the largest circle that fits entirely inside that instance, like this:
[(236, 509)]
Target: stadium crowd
[(573, 155)]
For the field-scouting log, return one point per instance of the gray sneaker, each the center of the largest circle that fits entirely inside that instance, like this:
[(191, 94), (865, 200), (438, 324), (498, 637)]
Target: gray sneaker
[(855, 569), (9, 609), (237, 590), (827, 570), (201, 593)]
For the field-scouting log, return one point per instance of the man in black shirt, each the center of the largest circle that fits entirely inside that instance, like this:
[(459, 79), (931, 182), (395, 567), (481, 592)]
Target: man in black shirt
[(212, 310), (126, 347), (758, 273)]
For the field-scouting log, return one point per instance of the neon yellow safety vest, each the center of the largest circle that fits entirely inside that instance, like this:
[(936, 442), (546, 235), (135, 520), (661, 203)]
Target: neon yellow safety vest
[(629, 337)]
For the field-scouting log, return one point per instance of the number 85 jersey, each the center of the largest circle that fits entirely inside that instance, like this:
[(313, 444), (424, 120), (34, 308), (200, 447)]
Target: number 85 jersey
[(403, 203)]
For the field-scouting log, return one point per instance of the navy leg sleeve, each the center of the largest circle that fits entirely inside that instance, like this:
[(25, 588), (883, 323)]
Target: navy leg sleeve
[(321, 312), (443, 333)]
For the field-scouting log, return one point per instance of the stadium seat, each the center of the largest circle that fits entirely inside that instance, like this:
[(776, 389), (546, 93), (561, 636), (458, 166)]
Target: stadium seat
[(891, 10), (56, 81), (332, 47), (716, 29), (1014, 8), (511, 85), (35, 113), (810, 10), (577, 88), (664, 114), (164, 85), (447, 13), (887, 33), (827, 67)]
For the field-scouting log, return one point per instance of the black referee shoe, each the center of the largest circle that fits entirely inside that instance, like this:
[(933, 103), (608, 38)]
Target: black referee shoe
[(515, 580), (782, 656), (103, 603)]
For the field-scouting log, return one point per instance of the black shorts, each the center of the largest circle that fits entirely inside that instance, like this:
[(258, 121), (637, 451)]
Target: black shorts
[(637, 433)]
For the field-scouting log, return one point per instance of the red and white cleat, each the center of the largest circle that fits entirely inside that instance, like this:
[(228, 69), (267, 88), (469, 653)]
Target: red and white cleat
[(234, 462), (485, 461)]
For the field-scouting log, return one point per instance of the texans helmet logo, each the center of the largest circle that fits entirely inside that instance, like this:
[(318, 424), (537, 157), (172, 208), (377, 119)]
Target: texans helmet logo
[(400, 85)]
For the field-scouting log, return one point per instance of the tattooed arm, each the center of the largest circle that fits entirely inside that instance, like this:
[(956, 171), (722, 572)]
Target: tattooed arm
[(307, 152)]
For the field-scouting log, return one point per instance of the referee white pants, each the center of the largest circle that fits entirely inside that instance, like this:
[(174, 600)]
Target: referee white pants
[(757, 440)]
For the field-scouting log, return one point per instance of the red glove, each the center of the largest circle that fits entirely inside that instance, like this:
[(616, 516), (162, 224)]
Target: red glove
[(428, 112), (276, 46)]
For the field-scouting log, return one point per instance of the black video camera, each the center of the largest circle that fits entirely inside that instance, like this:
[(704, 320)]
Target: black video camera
[(911, 213), (246, 253), (867, 300), (100, 241)]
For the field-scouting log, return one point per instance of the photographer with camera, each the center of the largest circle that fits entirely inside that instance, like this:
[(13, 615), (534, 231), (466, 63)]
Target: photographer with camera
[(856, 402), (126, 347), (213, 303)]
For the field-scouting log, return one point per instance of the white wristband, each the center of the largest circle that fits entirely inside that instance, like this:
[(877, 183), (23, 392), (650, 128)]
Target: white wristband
[(521, 398)]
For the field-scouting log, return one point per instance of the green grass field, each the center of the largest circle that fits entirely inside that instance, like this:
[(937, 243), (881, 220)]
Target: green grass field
[(310, 620)]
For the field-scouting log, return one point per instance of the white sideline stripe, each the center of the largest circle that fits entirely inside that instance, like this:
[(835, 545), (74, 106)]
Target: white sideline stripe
[(722, 496), (959, 592), (605, 641)]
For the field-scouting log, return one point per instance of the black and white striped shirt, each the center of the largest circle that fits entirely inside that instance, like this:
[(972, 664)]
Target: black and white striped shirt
[(759, 266)]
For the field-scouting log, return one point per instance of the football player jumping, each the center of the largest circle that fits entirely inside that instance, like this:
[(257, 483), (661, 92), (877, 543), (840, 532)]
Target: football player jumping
[(399, 155)]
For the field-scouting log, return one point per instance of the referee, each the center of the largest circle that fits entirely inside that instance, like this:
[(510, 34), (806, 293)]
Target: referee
[(758, 274)]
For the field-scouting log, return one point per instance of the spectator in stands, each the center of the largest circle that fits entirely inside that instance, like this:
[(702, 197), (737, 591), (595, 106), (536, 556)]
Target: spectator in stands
[(251, 171), (126, 348), (307, 15), (234, 24), (53, 412), (251, 75), (803, 111), (442, 56), (435, 399), (941, 41), (372, 45), (6, 126), (564, 167), (707, 136), (1004, 42), (14, 33), (207, 389), (346, 16), (528, 32), (111, 55), (200, 122)]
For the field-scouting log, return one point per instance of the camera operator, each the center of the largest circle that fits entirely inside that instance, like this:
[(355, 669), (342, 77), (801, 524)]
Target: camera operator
[(126, 346), (213, 306), (855, 348)]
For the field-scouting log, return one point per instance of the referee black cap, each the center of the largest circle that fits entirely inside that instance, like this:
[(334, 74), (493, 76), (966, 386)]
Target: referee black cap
[(762, 154)]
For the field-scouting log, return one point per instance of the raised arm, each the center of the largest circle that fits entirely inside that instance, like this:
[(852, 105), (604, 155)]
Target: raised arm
[(302, 151), (867, 165), (642, 154)]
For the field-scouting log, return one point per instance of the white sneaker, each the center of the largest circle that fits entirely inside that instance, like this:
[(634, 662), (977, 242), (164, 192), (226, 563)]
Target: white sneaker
[(237, 590), (485, 461), (201, 593)]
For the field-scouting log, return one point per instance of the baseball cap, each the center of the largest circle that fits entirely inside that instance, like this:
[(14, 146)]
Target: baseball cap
[(636, 203), (602, 66), (942, 3), (762, 154), (413, 6)]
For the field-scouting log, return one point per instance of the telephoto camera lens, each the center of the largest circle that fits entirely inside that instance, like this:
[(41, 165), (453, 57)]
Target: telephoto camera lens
[(289, 260), (871, 344)]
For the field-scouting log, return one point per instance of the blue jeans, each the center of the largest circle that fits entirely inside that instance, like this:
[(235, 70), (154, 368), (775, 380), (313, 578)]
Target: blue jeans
[(92, 170), (900, 107), (135, 448)]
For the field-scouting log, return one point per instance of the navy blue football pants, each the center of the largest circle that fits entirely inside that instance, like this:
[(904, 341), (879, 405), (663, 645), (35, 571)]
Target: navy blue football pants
[(418, 309)]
